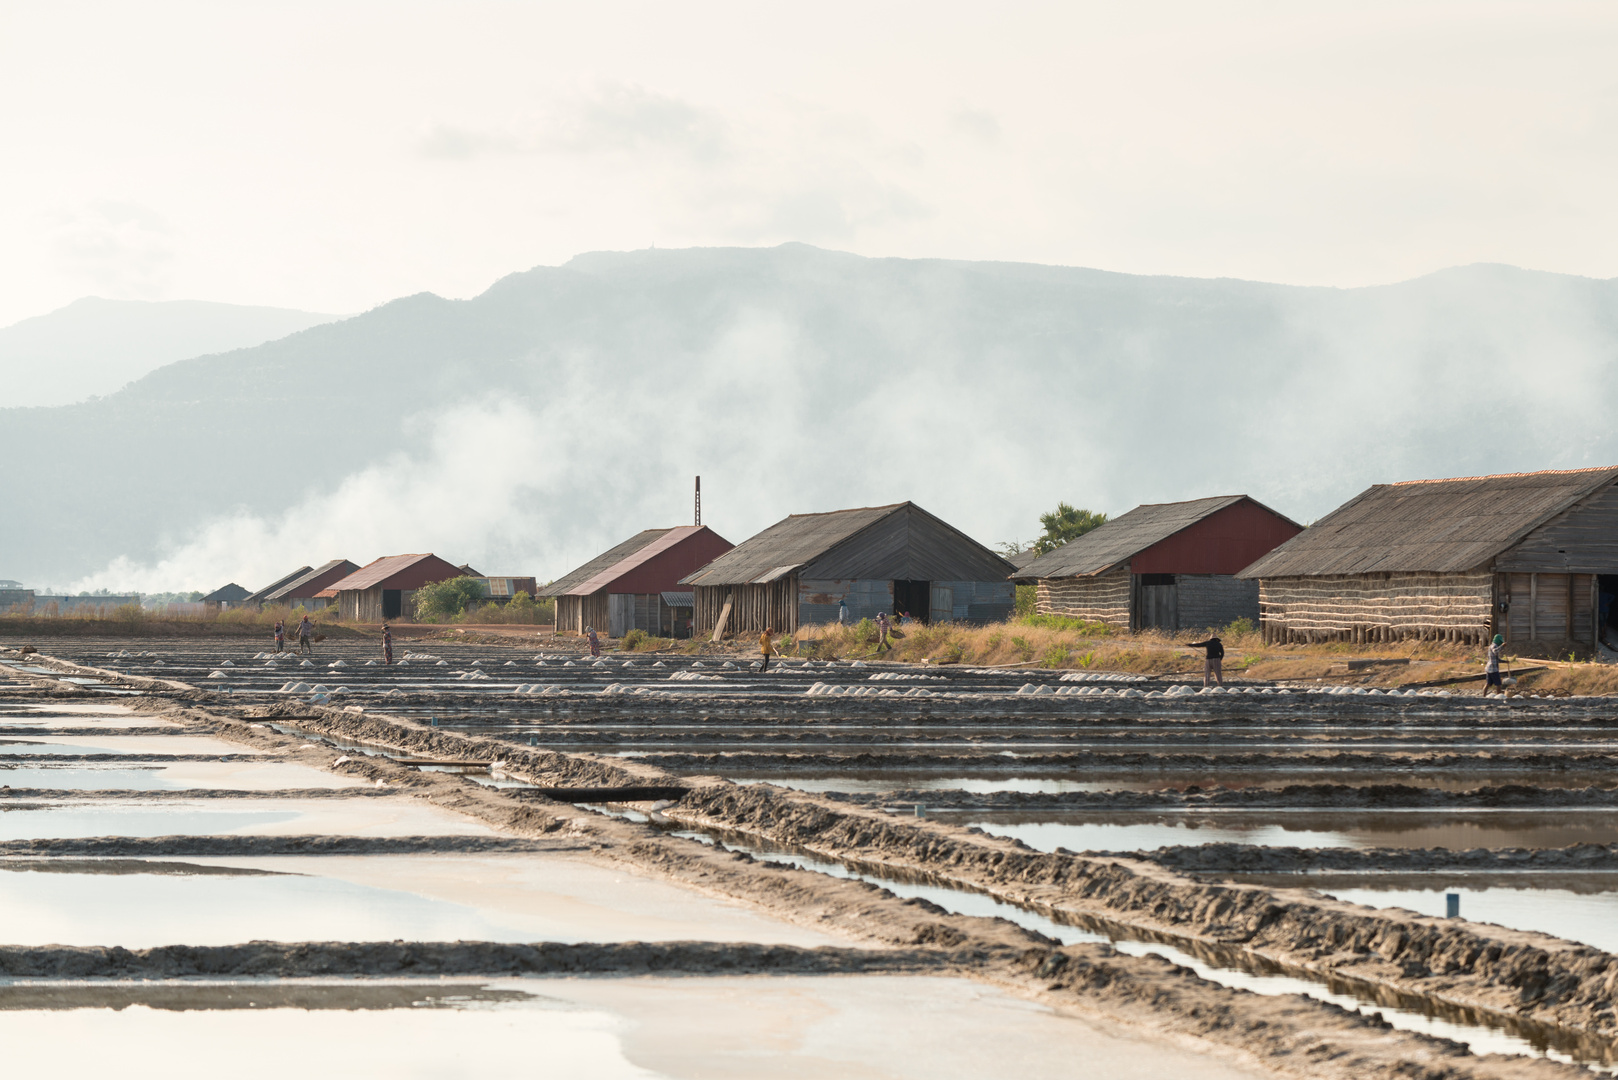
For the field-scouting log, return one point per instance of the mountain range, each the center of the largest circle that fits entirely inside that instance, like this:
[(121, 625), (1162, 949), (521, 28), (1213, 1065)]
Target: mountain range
[(93, 346), (567, 407)]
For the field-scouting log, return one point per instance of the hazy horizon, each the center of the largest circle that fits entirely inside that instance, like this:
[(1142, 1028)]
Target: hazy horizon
[(344, 154)]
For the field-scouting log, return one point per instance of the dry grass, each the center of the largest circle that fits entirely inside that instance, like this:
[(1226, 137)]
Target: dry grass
[(1038, 643)]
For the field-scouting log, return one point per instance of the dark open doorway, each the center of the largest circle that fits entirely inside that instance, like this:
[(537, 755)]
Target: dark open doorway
[(392, 603), (913, 598), (1607, 598)]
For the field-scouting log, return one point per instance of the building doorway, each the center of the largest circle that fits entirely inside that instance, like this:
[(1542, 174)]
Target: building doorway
[(392, 603), (1159, 606), (913, 598), (1607, 609)]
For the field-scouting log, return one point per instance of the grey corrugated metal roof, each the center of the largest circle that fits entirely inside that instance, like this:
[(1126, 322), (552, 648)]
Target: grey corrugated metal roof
[(1123, 537), (290, 588), (1436, 526), (899, 541), (226, 594), (264, 593), (788, 543), (606, 560)]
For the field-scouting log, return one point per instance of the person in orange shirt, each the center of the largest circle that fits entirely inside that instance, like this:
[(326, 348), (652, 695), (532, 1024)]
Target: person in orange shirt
[(765, 648)]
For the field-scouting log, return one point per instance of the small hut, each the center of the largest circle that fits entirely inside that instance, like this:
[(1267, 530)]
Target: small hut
[(1531, 556), (1171, 566), (226, 596), (881, 558), (385, 588), (636, 585)]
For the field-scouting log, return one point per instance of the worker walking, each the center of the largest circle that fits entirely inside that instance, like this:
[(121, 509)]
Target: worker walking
[(306, 631), (766, 649), (1491, 666), (595, 642), (280, 635), (387, 644), (1213, 663), (882, 629)]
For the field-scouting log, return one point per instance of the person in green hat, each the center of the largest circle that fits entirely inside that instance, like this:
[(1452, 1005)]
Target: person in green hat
[(1491, 666)]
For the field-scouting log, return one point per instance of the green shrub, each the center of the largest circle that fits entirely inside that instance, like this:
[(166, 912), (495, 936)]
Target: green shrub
[(1064, 622), (1241, 626), (447, 599), (1025, 651), (1027, 598), (1055, 656), (634, 639), (864, 630)]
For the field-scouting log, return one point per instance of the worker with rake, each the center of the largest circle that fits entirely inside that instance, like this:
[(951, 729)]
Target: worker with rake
[(306, 631), (766, 648)]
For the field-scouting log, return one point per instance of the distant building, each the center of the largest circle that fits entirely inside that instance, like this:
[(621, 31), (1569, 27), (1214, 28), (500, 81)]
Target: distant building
[(303, 588), (226, 596), (636, 585), (260, 598), (500, 590), (98, 604), (896, 558), (386, 588), (14, 596), (1530, 556), (1169, 566)]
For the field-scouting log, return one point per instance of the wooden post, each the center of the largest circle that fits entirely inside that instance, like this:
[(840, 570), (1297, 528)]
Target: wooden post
[(1569, 631), (724, 617), (1595, 613), (1533, 607)]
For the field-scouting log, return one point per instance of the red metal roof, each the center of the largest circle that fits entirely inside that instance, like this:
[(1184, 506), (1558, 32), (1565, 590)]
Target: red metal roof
[(396, 572), (706, 545)]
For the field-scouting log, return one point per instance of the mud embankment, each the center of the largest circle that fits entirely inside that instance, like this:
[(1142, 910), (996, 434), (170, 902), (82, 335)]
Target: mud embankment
[(1290, 797), (988, 762), (1254, 859), (261, 959), (1512, 974)]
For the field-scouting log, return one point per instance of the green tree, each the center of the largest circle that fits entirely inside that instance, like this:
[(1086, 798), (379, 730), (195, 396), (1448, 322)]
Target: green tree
[(447, 599), (1064, 524)]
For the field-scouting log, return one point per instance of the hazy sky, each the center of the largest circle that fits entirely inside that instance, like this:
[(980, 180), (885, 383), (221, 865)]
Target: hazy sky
[(331, 156)]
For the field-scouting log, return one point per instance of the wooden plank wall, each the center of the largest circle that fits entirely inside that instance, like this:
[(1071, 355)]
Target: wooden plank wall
[(1549, 608), (774, 605), (1377, 607), (569, 615), (1104, 598)]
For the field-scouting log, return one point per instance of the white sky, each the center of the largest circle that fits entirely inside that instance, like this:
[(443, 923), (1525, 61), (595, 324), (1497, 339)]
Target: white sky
[(332, 156)]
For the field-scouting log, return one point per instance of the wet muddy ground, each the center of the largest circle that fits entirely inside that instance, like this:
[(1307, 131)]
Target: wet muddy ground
[(1248, 882)]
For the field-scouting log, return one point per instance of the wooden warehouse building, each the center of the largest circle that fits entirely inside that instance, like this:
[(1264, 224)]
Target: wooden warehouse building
[(385, 588), (1530, 556), (881, 558), (636, 585), (1171, 566)]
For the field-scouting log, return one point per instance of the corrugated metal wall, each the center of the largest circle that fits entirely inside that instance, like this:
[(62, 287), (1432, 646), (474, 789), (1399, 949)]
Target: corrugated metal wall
[(1215, 600)]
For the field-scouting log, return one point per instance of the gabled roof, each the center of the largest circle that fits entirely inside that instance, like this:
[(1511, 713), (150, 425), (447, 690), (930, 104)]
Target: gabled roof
[(900, 540), (602, 578), (300, 586), (1107, 546), (564, 585), (264, 593), (1436, 526), (376, 572), (226, 594)]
